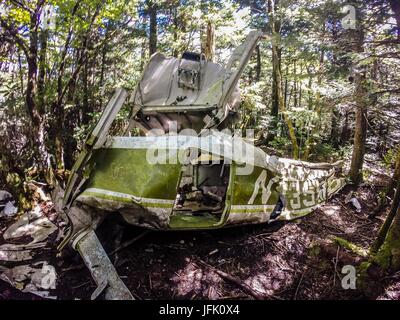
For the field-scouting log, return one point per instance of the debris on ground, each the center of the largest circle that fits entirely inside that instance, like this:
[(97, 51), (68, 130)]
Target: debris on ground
[(23, 240), (7, 204), (354, 201), (9, 209), (356, 204), (213, 252), (32, 278), (33, 224), (5, 196), (34, 229)]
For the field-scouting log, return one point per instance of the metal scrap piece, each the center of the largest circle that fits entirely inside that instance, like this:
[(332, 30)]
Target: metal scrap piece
[(38, 227), (100, 266), (11, 252), (33, 280)]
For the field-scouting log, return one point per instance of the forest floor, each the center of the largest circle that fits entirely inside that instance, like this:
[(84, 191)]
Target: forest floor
[(280, 261)]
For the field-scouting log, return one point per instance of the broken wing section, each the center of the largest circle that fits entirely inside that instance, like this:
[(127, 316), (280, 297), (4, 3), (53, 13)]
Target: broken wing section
[(123, 181), (306, 185), (95, 140), (255, 197), (294, 190)]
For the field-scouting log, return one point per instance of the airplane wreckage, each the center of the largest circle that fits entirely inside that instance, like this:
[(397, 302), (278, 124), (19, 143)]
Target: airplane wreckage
[(199, 178)]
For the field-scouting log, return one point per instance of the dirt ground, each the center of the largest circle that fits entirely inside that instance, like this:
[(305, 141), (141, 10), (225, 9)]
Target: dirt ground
[(279, 261)]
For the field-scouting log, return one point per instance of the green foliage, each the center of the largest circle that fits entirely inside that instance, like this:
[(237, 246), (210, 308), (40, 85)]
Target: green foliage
[(327, 152), (282, 145), (98, 45), (350, 246), (389, 158)]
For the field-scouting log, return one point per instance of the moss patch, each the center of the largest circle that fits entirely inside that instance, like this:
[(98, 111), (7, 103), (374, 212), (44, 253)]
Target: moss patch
[(350, 246)]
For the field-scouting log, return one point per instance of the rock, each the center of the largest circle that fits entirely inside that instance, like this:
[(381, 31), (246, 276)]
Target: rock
[(5, 196), (7, 207), (356, 204), (9, 210), (213, 252), (353, 200)]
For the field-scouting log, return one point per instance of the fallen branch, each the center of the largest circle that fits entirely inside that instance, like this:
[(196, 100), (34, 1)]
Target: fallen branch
[(129, 242), (237, 281), (298, 286), (321, 165), (328, 249)]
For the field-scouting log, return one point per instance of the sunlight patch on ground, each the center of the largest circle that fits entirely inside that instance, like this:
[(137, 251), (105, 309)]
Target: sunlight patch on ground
[(284, 264), (193, 280), (332, 213), (276, 276), (392, 292)]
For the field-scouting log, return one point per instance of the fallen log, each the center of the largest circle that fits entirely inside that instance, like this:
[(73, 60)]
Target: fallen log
[(129, 242), (329, 250), (237, 281)]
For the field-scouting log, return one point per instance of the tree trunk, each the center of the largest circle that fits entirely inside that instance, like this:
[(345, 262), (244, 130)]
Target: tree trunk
[(85, 102), (288, 121), (388, 222), (31, 88), (360, 134), (37, 137), (152, 12), (345, 132), (21, 74), (174, 14), (396, 174), (102, 71), (317, 108), (42, 71), (295, 87), (360, 97), (395, 6), (274, 28), (335, 127), (258, 65), (275, 101), (388, 256), (279, 89), (209, 47)]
